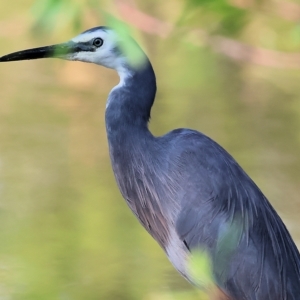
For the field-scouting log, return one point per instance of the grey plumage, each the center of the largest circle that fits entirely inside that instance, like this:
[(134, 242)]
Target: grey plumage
[(184, 188)]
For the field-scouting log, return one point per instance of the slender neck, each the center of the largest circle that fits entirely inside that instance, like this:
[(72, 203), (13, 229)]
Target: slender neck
[(129, 103)]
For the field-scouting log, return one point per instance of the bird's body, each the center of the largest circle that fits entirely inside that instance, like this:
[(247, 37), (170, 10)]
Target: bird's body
[(185, 189)]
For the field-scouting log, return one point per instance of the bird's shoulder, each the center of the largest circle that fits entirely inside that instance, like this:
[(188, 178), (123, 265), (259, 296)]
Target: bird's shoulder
[(183, 141), (213, 182), (195, 152)]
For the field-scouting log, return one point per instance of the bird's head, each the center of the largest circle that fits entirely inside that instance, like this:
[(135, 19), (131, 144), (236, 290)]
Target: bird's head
[(99, 45)]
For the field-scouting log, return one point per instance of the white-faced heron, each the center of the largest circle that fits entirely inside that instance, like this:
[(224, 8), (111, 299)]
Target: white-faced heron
[(184, 188)]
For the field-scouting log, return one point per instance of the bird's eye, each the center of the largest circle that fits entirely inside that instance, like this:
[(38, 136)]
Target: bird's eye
[(97, 42)]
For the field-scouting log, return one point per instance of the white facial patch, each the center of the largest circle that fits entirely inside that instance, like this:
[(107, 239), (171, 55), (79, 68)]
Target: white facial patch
[(105, 54), (104, 34)]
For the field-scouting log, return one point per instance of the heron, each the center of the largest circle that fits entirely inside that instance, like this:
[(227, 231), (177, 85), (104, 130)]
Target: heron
[(185, 189)]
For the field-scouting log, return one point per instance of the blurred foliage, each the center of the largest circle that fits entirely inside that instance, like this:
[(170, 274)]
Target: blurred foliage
[(55, 14), (265, 23), (226, 245), (200, 266), (133, 52), (218, 16)]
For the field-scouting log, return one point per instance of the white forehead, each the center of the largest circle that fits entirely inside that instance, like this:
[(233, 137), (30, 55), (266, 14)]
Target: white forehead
[(109, 36), (115, 52)]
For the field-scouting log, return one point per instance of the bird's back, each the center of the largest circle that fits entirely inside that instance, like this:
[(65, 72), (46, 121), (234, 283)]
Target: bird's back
[(223, 212)]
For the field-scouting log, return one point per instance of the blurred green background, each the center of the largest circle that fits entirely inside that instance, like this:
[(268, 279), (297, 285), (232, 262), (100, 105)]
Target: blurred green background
[(230, 69)]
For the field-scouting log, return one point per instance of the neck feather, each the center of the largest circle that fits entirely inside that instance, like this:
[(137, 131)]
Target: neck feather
[(129, 103)]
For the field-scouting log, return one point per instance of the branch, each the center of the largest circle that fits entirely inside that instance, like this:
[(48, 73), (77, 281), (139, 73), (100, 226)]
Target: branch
[(229, 47), (286, 10)]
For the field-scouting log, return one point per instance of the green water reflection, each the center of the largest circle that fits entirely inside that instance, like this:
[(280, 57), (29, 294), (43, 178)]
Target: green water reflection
[(65, 230)]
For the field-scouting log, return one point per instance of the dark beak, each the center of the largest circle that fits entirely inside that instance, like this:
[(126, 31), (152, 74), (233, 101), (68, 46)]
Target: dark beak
[(59, 50)]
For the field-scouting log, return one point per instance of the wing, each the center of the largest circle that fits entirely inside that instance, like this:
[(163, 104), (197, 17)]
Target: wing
[(225, 213)]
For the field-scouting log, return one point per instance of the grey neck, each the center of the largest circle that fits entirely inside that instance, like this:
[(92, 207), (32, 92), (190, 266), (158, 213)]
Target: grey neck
[(129, 103)]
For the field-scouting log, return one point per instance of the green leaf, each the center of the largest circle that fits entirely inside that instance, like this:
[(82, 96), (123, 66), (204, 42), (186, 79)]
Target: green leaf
[(226, 246), (200, 267), (53, 14), (132, 51)]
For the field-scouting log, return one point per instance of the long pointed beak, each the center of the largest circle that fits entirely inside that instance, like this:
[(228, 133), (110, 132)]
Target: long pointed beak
[(59, 50)]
